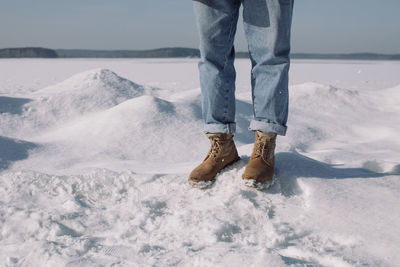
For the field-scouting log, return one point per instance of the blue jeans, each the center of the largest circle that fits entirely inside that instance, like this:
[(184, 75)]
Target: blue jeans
[(267, 26)]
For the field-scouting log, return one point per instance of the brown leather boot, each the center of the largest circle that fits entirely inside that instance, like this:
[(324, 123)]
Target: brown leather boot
[(259, 171), (222, 153)]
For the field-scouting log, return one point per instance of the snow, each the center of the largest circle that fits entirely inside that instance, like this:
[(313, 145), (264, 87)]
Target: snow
[(95, 154)]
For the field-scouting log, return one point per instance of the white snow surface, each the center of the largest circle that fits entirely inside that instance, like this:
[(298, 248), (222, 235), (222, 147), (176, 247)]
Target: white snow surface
[(95, 156)]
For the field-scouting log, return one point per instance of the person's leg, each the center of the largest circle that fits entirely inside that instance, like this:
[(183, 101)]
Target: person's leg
[(267, 27), (216, 23)]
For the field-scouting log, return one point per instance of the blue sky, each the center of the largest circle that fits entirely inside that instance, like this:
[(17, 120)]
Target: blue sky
[(319, 26)]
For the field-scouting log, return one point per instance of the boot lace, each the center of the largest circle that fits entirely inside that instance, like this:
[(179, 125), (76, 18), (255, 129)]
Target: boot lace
[(215, 147), (264, 148)]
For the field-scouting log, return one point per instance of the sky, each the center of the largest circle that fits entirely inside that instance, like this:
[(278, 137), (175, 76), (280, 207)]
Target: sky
[(319, 26)]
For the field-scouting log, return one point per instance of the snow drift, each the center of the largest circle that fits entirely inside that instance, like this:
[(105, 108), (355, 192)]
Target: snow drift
[(83, 93), (138, 129)]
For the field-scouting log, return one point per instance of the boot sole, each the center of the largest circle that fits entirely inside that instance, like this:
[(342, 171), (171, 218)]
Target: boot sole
[(209, 183), (201, 184), (257, 185)]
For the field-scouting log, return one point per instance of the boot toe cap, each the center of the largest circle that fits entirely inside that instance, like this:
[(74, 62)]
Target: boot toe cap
[(200, 174), (259, 176)]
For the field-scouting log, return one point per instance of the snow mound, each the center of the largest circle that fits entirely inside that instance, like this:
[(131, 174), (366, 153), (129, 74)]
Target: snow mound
[(315, 96), (103, 82), (391, 97), (141, 128), (321, 112), (394, 91), (85, 92)]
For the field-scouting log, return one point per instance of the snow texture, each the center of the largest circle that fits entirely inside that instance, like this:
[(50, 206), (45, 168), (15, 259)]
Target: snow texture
[(95, 156)]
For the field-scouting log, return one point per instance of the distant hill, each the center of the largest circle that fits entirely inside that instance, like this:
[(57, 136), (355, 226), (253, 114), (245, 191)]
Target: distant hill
[(29, 52), (169, 52), (353, 56), (153, 53), (191, 52), (350, 56)]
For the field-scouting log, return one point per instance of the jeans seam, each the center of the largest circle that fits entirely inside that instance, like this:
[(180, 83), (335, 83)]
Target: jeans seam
[(229, 38), (231, 35)]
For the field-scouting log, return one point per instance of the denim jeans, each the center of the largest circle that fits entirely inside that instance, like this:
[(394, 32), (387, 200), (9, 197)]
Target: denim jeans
[(267, 25)]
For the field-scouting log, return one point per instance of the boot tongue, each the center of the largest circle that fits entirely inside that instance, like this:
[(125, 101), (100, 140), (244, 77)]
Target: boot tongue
[(265, 136), (219, 136)]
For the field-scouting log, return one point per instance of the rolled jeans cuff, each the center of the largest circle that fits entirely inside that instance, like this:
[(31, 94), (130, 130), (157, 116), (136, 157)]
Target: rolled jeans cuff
[(263, 126), (220, 128)]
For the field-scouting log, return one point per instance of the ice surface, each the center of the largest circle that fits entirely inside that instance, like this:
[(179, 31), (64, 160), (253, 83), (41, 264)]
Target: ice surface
[(95, 154)]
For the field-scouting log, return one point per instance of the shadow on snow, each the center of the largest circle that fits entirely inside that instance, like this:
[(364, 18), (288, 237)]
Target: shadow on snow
[(12, 105), (12, 150), (292, 165)]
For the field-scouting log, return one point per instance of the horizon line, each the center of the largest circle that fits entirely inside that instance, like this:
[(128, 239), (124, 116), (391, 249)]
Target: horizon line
[(181, 47)]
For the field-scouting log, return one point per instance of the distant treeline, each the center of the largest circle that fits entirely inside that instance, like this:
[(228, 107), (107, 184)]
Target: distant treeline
[(28, 52), (154, 53), (173, 52), (354, 56)]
